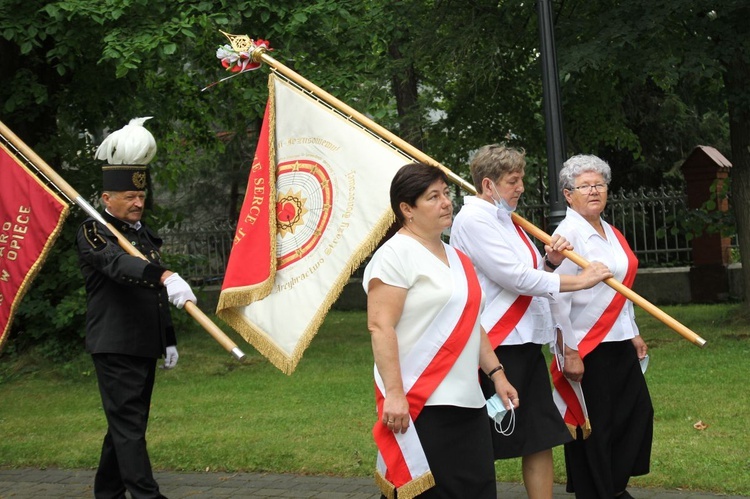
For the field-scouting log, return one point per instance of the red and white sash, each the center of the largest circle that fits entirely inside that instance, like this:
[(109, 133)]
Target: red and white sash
[(597, 319), (503, 314), (401, 464)]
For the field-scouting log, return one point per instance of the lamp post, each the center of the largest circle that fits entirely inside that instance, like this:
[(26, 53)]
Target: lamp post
[(552, 113)]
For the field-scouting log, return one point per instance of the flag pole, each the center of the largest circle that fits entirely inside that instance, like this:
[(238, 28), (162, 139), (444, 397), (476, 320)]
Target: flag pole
[(260, 54), (61, 185)]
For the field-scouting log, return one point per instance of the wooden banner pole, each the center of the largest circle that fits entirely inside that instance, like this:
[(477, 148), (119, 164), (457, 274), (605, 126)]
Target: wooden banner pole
[(259, 54), (60, 184)]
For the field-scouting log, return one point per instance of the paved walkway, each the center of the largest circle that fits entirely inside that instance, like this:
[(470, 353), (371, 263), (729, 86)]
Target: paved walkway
[(58, 484)]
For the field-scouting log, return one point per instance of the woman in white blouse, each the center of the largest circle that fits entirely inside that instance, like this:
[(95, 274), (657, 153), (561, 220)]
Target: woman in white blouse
[(602, 348), (423, 307)]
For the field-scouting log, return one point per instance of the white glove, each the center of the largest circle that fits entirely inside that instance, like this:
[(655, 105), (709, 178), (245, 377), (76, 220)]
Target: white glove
[(179, 291), (170, 359)]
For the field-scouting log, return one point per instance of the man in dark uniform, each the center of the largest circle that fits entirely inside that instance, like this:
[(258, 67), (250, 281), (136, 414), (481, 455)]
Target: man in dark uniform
[(128, 327)]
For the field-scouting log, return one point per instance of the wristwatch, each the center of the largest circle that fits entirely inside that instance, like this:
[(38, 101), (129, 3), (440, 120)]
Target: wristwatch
[(550, 264)]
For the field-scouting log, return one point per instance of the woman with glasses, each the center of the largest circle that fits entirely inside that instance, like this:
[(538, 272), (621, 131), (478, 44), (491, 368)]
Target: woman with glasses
[(599, 385), (518, 284)]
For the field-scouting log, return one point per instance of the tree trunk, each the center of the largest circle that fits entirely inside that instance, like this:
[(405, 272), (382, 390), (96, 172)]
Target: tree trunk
[(736, 79), (406, 91)]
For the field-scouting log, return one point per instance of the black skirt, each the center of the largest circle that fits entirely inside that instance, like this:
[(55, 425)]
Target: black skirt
[(622, 424), (539, 425), (455, 443)]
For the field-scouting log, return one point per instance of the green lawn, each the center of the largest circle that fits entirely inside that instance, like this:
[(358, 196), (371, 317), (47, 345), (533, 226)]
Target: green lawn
[(215, 413)]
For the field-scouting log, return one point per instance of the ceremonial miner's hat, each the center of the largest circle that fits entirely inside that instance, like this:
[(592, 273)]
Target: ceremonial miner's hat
[(127, 152)]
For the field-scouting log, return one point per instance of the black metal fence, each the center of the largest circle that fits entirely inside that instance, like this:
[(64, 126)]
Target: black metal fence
[(200, 252)]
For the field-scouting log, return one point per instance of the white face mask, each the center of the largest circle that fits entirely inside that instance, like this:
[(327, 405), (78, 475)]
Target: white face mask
[(496, 411), (644, 364), (502, 203)]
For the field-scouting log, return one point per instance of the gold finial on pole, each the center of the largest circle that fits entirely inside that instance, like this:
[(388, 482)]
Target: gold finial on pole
[(240, 43), (243, 43)]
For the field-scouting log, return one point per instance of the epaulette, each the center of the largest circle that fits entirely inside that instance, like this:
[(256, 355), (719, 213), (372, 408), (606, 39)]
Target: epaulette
[(93, 237)]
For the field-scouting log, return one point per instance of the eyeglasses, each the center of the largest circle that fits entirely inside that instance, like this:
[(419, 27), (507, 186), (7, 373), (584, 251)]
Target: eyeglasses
[(588, 189)]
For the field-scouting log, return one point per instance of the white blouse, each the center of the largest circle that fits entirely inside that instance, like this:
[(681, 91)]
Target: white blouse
[(403, 262), (593, 247), (504, 265)]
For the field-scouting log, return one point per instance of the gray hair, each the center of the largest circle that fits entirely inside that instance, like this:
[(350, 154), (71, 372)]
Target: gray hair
[(580, 164)]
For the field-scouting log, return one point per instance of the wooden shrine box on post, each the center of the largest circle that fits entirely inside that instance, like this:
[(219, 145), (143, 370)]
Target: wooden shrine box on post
[(705, 171)]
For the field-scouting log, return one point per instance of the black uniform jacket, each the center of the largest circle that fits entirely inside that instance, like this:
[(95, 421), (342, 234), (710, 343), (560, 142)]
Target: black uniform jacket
[(128, 309)]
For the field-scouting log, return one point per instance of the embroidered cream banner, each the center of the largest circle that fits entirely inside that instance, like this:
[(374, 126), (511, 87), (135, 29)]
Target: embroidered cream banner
[(317, 204)]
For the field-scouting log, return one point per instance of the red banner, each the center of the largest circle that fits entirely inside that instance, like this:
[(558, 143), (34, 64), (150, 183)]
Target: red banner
[(251, 264), (31, 217)]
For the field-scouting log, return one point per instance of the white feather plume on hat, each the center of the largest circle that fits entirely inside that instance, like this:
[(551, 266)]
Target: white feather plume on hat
[(130, 145)]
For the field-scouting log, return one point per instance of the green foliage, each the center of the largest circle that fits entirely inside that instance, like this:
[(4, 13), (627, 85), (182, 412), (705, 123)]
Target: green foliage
[(480, 72), (641, 86)]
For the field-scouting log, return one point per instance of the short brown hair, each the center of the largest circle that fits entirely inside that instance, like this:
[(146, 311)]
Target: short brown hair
[(495, 160)]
